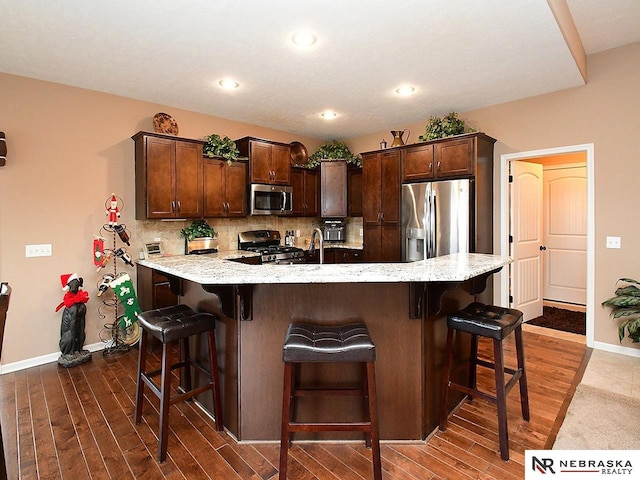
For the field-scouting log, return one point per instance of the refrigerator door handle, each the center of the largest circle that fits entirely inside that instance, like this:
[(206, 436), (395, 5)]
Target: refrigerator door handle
[(434, 223)]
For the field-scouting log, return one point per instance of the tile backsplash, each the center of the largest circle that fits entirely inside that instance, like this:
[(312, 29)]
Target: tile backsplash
[(228, 228)]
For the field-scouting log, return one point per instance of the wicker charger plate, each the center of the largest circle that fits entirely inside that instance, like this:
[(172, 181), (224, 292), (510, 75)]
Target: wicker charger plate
[(299, 155), (164, 123)]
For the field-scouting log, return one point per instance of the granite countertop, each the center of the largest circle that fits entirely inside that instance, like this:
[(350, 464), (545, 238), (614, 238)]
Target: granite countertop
[(217, 269)]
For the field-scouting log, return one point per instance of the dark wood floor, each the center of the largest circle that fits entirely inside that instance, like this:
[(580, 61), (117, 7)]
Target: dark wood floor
[(78, 423)]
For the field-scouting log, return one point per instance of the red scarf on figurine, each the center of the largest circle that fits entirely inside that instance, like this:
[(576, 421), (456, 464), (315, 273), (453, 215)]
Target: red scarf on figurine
[(71, 299)]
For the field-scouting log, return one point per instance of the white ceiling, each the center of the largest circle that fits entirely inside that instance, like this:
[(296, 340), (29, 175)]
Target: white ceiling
[(459, 54)]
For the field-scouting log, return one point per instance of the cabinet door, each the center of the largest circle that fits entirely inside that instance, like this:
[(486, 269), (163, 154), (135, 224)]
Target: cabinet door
[(372, 242), (371, 189), (280, 165), (188, 180), (260, 159), (297, 196), (160, 177), (348, 255), (354, 192), (417, 163), (333, 177), (311, 193), (454, 158), (390, 188), (214, 187), (236, 189)]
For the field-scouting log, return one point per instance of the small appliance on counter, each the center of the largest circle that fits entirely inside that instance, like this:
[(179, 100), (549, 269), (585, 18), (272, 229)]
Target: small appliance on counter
[(202, 245), (267, 243), (334, 230)]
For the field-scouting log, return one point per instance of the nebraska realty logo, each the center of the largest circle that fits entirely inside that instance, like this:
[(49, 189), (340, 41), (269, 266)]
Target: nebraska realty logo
[(579, 464)]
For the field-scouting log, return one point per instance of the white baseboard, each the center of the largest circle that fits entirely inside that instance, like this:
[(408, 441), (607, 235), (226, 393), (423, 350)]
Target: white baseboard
[(44, 359), (607, 347)]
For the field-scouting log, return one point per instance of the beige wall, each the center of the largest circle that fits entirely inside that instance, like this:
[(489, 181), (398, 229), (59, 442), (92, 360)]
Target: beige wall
[(70, 148), (604, 112)]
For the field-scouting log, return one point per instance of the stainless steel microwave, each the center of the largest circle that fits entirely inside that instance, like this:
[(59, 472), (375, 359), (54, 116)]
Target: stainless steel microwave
[(270, 199)]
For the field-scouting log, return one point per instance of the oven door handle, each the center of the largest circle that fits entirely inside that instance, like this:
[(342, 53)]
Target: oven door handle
[(284, 201)]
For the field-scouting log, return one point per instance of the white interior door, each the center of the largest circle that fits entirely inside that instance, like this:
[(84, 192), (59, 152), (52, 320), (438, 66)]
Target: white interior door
[(526, 233), (565, 234)]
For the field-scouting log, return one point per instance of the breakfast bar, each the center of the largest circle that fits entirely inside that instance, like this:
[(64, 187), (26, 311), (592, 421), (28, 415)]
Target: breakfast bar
[(404, 306)]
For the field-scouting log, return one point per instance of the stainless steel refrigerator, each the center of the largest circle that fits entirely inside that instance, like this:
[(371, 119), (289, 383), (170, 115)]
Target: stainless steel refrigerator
[(437, 219)]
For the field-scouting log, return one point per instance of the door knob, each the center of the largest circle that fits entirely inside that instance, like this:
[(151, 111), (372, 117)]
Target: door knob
[(542, 248)]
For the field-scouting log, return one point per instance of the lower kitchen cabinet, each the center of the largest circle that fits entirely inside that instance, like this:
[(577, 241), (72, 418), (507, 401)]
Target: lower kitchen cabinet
[(337, 255), (155, 290)]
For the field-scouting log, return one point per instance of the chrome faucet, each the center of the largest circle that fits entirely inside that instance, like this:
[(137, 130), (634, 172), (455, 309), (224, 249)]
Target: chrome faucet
[(312, 248)]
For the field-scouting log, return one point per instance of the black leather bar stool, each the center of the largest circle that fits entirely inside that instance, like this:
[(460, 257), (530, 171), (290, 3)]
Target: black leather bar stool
[(321, 343), (170, 325), (496, 323)]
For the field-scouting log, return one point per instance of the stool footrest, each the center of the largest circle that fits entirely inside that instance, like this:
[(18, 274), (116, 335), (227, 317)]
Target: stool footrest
[(307, 392), (330, 427)]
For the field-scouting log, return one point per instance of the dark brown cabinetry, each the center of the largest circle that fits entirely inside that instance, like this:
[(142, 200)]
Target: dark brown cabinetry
[(444, 158), (168, 176), (337, 255), (306, 192), (225, 188), (381, 206), (333, 175), (155, 290), (354, 191), (269, 162)]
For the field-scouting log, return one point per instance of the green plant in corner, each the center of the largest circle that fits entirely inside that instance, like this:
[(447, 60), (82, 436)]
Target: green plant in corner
[(626, 307), (446, 126), (334, 150), (217, 146), (198, 229)]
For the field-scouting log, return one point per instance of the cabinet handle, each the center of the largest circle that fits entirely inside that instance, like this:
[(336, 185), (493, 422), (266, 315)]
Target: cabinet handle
[(179, 206), (382, 216), (173, 206), (439, 163), (430, 167)]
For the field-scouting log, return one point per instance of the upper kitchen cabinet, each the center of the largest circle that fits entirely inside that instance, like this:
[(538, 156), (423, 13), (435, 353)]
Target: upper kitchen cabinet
[(381, 206), (306, 192), (168, 176), (450, 157), (269, 162), (354, 191), (333, 179), (225, 188)]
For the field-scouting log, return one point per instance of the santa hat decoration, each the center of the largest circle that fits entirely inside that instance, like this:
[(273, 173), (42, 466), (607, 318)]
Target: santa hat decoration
[(113, 198), (66, 278)]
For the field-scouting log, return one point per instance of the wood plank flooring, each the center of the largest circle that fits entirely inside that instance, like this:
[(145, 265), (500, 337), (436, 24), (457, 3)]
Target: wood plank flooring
[(78, 424)]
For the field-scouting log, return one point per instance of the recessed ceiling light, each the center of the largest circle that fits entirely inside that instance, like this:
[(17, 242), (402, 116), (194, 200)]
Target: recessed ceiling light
[(405, 90), (228, 84), (328, 115), (303, 39)]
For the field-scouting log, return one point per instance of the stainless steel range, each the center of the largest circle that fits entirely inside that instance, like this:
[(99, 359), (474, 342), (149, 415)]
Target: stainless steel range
[(267, 243)]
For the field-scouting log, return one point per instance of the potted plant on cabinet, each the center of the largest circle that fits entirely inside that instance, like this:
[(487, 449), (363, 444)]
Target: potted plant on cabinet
[(217, 146), (446, 126), (626, 307), (334, 150)]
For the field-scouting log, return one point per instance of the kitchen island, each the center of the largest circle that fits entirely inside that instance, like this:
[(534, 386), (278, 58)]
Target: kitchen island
[(403, 304)]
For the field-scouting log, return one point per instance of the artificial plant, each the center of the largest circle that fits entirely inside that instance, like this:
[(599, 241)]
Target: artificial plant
[(333, 150), (626, 307)]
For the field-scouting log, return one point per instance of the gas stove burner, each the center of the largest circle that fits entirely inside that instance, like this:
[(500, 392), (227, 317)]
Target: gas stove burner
[(267, 244)]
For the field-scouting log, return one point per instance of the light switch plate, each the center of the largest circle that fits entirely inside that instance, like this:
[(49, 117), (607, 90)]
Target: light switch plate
[(613, 242), (41, 250)]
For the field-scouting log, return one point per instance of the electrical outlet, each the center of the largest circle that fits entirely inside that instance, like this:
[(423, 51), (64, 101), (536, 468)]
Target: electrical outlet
[(41, 250), (297, 233), (613, 242)]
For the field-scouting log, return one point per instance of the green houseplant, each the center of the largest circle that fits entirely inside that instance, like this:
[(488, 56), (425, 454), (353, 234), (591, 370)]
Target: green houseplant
[(626, 307), (333, 150), (446, 126), (198, 229), (217, 146)]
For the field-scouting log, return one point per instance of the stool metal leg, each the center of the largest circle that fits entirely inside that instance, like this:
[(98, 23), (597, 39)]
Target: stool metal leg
[(524, 393), (142, 365), (165, 392), (287, 390), (373, 418), (215, 381), (501, 399)]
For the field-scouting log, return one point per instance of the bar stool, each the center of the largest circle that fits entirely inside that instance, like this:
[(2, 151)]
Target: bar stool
[(321, 343), (496, 323), (170, 325)]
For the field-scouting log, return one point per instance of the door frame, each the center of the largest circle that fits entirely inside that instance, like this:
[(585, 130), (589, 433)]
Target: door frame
[(588, 149)]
